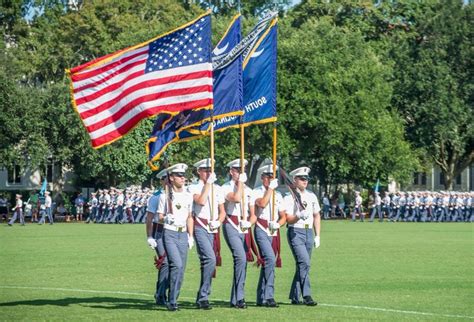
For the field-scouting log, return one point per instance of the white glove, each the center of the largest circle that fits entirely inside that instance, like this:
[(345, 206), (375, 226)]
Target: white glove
[(214, 224), (274, 225), (212, 178), (152, 242), (244, 224), (317, 242), (273, 184), (303, 215), (169, 219), (190, 242), (243, 177)]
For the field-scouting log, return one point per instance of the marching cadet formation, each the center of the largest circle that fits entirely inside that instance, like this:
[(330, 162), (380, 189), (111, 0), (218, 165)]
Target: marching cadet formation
[(418, 206), (179, 218), (116, 206)]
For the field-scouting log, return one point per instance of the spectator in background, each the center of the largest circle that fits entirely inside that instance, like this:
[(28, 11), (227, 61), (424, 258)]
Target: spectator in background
[(4, 207), (326, 206), (79, 203), (341, 204)]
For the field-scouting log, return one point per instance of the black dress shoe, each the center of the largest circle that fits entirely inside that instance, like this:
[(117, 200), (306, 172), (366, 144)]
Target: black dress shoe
[(159, 300), (295, 302), (172, 307), (271, 303), (204, 305), (308, 300), (240, 304)]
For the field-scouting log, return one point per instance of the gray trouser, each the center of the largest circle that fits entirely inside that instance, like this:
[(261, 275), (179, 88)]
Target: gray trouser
[(162, 283), (236, 243), (400, 212), (46, 212), (17, 213), (204, 246), (118, 214), (266, 281), (357, 210), (140, 214), (301, 245), (176, 246), (378, 210)]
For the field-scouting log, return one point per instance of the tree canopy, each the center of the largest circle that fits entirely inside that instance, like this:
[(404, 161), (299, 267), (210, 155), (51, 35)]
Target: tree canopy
[(365, 91)]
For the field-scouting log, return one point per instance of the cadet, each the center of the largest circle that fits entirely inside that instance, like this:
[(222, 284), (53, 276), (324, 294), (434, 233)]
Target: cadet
[(386, 205), (46, 204), (93, 203), (17, 211), (358, 207), (270, 217), (154, 231), (174, 209), (206, 225), (236, 226), (302, 220), (377, 207)]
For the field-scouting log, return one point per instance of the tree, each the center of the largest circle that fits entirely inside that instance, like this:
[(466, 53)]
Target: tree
[(335, 93), (434, 85), (60, 38)]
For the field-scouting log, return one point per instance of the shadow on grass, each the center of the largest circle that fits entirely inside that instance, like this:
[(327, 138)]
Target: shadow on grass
[(113, 303)]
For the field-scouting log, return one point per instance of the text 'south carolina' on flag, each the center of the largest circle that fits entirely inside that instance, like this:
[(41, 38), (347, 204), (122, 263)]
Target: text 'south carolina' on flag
[(227, 93), (168, 74), (259, 85)]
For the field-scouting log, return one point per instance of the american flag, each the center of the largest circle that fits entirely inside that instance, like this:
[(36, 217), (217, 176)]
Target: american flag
[(169, 74)]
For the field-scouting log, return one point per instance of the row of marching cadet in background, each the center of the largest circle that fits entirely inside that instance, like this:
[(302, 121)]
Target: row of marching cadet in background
[(412, 206), (129, 205), (105, 206)]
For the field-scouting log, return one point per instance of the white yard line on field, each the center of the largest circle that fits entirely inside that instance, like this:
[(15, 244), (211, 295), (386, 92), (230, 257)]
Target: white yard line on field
[(355, 307)]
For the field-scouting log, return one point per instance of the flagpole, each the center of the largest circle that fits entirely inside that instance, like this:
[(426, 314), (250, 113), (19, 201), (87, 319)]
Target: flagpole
[(242, 166), (274, 167), (212, 165)]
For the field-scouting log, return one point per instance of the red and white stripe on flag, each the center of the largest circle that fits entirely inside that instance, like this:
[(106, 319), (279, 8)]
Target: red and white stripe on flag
[(168, 74)]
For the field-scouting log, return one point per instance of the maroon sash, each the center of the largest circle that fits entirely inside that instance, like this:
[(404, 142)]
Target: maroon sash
[(159, 261), (217, 241), (275, 242), (234, 219)]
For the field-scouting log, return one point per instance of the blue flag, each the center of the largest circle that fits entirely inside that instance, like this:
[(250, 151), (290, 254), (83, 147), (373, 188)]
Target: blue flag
[(227, 81), (227, 93), (377, 186), (259, 83), (43, 186)]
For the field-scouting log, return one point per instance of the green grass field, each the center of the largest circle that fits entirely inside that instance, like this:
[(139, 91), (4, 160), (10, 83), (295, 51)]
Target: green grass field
[(363, 271)]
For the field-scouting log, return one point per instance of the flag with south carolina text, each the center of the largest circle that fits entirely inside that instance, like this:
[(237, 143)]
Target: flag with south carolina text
[(259, 85), (227, 96), (168, 74)]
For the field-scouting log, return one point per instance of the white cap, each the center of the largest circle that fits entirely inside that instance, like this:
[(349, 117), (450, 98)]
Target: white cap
[(303, 171), (46, 192), (18, 196), (357, 192), (267, 169), (236, 163), (162, 174), (204, 163), (178, 168)]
